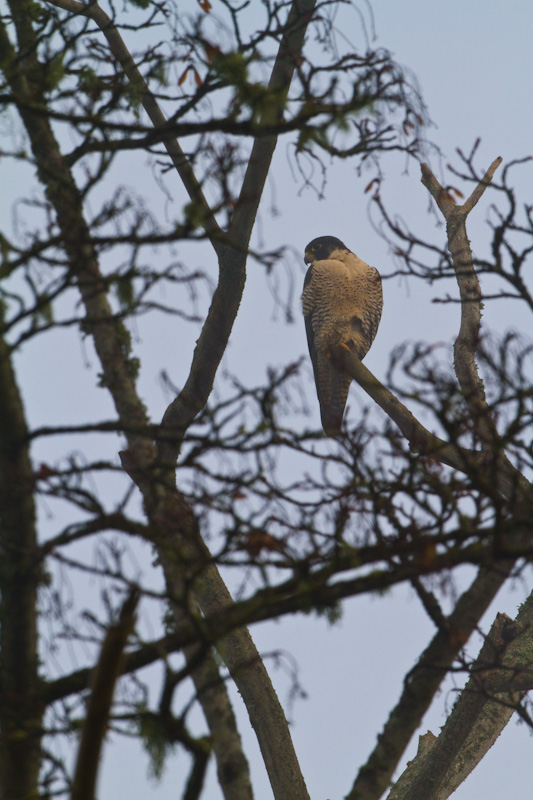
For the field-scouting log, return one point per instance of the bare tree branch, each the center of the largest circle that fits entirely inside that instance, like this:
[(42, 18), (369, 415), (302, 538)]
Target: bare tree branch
[(103, 682), (232, 766), (232, 257), (499, 677), (423, 682), (470, 292), (22, 709), (150, 105), (509, 480), (420, 439), (425, 743), (471, 729)]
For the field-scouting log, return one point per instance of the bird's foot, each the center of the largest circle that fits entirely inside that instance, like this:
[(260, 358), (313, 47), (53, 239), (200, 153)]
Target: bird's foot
[(344, 346)]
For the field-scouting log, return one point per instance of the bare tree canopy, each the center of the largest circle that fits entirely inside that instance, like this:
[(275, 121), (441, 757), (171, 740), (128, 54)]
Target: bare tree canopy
[(141, 540)]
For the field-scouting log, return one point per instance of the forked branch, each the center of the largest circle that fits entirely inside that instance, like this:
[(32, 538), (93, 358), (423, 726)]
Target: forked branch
[(499, 678), (467, 340), (423, 681)]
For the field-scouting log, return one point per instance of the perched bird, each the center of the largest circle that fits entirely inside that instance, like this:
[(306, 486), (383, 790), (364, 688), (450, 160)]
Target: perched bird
[(341, 302)]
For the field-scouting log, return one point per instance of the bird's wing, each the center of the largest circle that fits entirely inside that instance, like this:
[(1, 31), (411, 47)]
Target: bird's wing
[(332, 385), (308, 309)]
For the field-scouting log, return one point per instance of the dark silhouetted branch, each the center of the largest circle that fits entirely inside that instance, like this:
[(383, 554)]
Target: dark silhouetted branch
[(105, 675)]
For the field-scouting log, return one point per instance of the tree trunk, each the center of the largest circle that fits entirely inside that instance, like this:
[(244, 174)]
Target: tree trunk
[(20, 706)]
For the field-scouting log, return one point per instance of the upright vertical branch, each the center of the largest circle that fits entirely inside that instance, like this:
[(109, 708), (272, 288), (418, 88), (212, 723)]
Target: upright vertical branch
[(467, 340), (20, 708)]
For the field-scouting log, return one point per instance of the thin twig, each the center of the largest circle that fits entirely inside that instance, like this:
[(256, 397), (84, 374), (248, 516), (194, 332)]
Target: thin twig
[(151, 106)]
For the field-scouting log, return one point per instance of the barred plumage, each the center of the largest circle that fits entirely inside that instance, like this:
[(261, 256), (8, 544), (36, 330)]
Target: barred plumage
[(341, 302)]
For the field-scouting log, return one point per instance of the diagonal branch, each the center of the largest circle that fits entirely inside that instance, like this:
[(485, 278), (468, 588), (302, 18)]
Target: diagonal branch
[(104, 679), (424, 680), (322, 588), (420, 439), (233, 253), (470, 730), (289, 51), (499, 678), (510, 482), (232, 766)]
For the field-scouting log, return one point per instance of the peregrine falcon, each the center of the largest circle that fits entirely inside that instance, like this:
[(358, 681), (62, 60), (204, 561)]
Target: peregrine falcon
[(341, 302)]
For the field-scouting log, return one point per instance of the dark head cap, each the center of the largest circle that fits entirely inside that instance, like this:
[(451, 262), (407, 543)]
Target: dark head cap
[(322, 247)]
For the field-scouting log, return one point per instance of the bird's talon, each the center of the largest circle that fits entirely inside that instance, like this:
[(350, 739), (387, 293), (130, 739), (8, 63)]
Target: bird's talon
[(342, 344)]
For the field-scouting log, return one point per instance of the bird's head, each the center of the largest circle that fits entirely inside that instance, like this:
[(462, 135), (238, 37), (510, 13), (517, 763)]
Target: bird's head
[(321, 248)]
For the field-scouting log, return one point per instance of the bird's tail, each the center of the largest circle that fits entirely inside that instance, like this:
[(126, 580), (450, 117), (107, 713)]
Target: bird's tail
[(332, 398)]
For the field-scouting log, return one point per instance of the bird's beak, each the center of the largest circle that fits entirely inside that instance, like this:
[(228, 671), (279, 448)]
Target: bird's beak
[(308, 258)]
